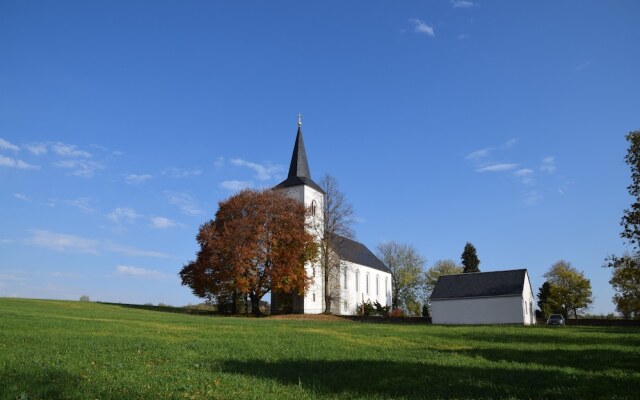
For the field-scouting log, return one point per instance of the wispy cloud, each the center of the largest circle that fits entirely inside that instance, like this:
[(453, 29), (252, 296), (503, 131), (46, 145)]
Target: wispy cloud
[(263, 172), (462, 3), (135, 179), (5, 145), (185, 202), (62, 242), (497, 167), (236, 186), (532, 198), (22, 197), (525, 175), (463, 36), (420, 26), (478, 154), (162, 223), (132, 251), (219, 162), (81, 203), (37, 148), (548, 165), (141, 272), (82, 168), (68, 150), (173, 172), (68, 243), (125, 214), (15, 163)]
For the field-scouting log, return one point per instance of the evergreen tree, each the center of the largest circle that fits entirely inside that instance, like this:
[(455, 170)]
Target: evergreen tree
[(470, 259)]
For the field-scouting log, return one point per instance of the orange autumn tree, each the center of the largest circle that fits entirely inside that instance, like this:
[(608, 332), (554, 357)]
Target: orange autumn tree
[(258, 242)]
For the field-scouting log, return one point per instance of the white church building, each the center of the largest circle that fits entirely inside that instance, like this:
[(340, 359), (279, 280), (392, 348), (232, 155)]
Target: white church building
[(358, 277)]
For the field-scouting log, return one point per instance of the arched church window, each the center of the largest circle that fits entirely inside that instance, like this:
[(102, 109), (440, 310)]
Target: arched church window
[(314, 206), (377, 285), (314, 297), (367, 282), (386, 286), (357, 280), (345, 277)]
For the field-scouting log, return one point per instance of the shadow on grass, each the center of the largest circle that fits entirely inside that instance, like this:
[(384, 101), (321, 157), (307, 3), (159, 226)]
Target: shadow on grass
[(38, 384), (371, 378), (586, 360), (164, 309), (557, 336)]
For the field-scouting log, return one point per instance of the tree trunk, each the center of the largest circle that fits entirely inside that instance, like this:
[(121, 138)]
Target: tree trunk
[(327, 294), (255, 305)]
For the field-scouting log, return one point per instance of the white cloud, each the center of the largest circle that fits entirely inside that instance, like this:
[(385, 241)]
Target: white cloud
[(123, 214), (532, 198), (482, 153), (185, 202), (62, 242), (219, 163), (22, 197), (68, 150), (525, 175), (135, 179), (462, 3), (15, 163), (162, 223), (140, 272), (548, 165), (463, 36), (422, 27), (497, 168), (37, 148), (75, 244), (82, 203), (132, 251), (582, 66), (263, 172), (510, 143), (83, 168), (173, 172), (5, 145), (236, 186)]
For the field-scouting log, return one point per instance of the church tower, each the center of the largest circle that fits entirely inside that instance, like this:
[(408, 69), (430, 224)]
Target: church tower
[(301, 187)]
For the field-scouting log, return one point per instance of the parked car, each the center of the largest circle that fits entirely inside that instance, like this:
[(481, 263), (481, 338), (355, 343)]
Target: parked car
[(555, 319)]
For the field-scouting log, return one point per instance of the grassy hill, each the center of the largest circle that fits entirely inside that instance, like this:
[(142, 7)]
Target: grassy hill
[(73, 350)]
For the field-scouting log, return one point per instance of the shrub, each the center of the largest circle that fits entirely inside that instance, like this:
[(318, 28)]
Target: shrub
[(396, 313)]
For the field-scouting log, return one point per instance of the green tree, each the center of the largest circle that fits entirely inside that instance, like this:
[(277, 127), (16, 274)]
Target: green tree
[(258, 242), (470, 259), (626, 269), (546, 308), (569, 291), (626, 282), (405, 264), (439, 268)]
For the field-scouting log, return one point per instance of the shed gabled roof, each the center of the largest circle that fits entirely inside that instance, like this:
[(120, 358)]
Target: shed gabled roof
[(357, 253), (480, 284), (299, 173)]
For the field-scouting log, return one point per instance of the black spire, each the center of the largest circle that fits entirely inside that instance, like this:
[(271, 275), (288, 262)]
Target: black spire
[(299, 165), (299, 173)]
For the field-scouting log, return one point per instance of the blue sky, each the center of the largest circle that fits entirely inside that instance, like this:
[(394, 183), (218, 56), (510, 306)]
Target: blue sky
[(122, 124)]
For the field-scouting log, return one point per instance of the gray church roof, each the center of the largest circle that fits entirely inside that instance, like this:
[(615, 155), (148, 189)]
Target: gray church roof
[(480, 284), (357, 253), (299, 173)]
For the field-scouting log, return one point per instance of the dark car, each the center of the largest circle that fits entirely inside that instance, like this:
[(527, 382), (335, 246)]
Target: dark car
[(555, 319)]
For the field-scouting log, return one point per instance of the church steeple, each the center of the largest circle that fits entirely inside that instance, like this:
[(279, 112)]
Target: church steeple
[(299, 173), (299, 165)]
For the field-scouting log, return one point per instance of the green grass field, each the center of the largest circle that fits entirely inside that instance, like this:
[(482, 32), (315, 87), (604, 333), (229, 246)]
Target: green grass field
[(73, 350)]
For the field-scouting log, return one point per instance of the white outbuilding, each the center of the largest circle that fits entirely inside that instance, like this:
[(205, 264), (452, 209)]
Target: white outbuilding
[(498, 297)]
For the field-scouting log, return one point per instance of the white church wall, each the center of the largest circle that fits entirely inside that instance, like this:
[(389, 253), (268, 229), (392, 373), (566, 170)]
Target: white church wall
[(355, 293), (478, 310)]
